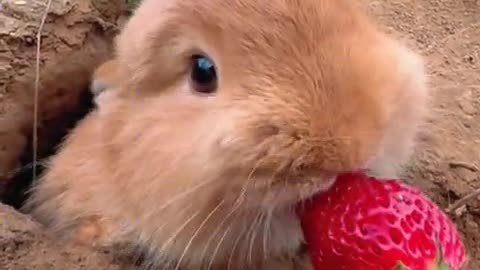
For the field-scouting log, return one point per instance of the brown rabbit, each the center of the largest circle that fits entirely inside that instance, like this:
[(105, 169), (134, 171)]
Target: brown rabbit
[(224, 115)]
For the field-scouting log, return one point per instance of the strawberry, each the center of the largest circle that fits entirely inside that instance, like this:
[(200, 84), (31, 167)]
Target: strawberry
[(364, 223)]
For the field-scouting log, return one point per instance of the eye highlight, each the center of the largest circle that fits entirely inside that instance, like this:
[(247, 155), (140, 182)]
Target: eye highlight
[(203, 75)]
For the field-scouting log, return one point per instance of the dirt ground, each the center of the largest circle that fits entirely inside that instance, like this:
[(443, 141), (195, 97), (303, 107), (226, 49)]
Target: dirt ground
[(446, 165)]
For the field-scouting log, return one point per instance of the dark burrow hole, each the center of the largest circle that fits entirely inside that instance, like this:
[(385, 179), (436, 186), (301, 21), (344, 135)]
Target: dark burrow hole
[(15, 192)]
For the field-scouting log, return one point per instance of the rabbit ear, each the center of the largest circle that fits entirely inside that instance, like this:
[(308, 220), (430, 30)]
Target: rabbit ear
[(104, 77), (104, 80)]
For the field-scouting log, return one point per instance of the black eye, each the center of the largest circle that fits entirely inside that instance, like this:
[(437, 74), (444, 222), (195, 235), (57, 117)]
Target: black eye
[(203, 75)]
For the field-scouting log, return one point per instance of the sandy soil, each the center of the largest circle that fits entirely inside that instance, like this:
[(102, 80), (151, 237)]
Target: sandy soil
[(446, 166)]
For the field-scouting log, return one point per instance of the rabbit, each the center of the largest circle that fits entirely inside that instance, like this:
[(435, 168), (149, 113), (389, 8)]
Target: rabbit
[(221, 118)]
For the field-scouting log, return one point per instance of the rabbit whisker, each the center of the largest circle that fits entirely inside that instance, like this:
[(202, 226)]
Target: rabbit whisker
[(197, 231)]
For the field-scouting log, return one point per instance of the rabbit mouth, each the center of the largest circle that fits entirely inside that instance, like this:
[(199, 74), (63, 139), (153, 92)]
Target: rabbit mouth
[(306, 183), (285, 193)]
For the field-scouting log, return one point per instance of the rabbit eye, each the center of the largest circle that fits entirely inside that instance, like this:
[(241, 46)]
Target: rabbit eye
[(203, 75)]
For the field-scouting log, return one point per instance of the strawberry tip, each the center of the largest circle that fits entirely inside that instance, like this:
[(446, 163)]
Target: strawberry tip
[(401, 266), (440, 263)]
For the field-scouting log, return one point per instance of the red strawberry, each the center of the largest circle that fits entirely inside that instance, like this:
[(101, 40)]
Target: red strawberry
[(364, 223)]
